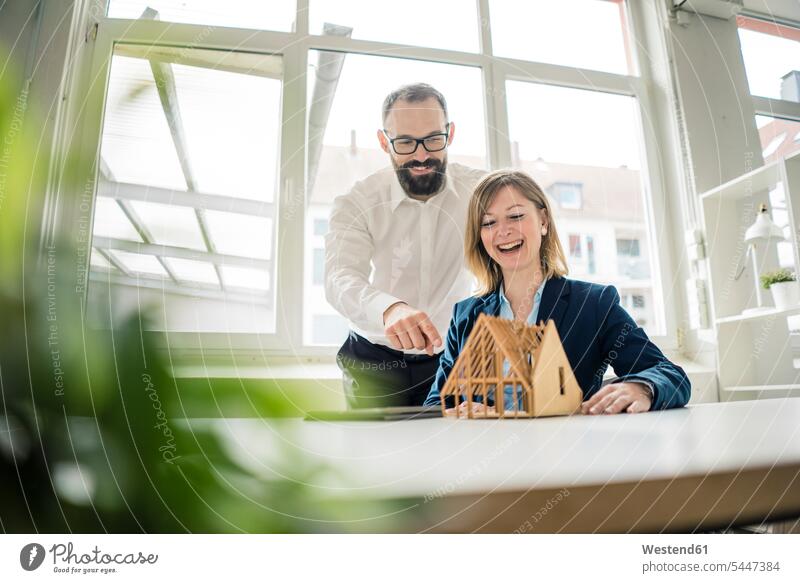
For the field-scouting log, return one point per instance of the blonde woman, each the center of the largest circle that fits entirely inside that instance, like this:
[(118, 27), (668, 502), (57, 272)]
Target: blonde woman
[(513, 250)]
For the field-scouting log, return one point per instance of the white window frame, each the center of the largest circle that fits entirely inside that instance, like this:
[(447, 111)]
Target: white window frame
[(287, 340), (770, 106)]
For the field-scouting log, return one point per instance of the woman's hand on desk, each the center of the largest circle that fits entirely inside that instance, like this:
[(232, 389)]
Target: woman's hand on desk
[(617, 398)]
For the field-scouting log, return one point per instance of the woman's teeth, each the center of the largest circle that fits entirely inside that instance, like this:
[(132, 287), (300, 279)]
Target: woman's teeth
[(510, 246)]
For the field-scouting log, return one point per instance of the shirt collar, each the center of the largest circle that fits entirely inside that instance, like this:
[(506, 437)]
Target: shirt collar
[(397, 195), (536, 298)]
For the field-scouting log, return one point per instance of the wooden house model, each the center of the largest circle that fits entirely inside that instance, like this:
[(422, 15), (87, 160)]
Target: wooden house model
[(528, 361)]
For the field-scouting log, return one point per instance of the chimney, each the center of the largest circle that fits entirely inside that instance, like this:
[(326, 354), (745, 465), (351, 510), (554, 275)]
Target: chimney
[(790, 86)]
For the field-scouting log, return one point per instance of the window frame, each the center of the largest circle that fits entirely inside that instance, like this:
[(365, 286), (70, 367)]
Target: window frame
[(89, 90), (771, 106)]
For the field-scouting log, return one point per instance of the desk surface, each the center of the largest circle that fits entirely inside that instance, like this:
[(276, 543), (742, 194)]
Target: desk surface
[(704, 466)]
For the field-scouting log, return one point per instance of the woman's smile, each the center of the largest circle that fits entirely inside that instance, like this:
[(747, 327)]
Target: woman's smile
[(510, 247)]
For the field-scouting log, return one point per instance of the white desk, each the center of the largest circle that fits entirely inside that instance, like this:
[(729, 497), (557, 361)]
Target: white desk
[(701, 467)]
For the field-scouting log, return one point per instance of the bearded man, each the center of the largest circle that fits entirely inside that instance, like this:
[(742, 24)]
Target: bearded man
[(394, 259)]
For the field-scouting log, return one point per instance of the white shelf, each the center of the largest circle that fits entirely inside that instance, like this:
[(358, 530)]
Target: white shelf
[(749, 348), (750, 388), (758, 315), (761, 178)]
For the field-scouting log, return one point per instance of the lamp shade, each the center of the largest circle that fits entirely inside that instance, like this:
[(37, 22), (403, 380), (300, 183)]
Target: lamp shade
[(763, 229)]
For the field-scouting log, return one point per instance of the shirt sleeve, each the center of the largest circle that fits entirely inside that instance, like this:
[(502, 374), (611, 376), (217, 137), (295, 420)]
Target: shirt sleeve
[(348, 253)]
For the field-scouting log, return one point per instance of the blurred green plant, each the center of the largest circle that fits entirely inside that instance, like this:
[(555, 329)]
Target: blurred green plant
[(86, 444)]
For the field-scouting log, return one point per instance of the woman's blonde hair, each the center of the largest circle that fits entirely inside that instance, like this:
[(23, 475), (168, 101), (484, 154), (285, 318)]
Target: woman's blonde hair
[(485, 269)]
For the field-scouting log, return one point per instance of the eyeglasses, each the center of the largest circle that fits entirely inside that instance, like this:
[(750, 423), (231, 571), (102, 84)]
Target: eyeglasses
[(432, 143)]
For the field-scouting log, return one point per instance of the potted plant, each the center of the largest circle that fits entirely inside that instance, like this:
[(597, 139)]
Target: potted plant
[(783, 285)]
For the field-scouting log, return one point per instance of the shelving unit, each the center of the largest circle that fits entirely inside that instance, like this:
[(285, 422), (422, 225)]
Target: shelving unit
[(755, 350)]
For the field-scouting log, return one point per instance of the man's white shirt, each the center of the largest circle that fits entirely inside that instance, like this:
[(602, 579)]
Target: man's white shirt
[(384, 247)]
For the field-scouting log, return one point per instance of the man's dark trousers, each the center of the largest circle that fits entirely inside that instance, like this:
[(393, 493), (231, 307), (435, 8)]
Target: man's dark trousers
[(379, 376)]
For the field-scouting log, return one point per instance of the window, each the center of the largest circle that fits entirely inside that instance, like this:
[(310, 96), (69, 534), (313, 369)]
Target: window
[(320, 227), (319, 266), (344, 115), (206, 153), (583, 148), (444, 24), (580, 249), (186, 197), (596, 37), (575, 246), (328, 329), (568, 194), (637, 303), (273, 15), (779, 137), (771, 54), (628, 247)]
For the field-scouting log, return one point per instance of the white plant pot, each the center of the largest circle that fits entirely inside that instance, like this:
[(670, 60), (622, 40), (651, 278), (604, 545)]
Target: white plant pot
[(785, 294)]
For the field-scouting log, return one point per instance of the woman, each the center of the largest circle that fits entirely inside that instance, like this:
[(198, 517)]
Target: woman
[(513, 250)]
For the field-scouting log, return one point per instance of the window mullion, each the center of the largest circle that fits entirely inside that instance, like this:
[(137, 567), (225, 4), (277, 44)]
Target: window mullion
[(776, 107), (301, 18), (655, 183), (493, 89), (290, 217)]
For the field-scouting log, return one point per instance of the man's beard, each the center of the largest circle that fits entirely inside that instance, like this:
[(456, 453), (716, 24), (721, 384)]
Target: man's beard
[(424, 185)]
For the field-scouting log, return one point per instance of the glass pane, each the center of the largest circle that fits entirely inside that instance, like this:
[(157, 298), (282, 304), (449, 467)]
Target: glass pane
[(328, 329), (245, 277), (193, 271), (780, 216), (100, 262), (170, 225), (110, 221), (273, 15), (779, 137), (444, 24), (771, 54), (188, 129), (137, 145), (344, 112), (592, 139), (590, 34), (235, 234), (319, 267), (232, 143), (320, 227), (139, 263)]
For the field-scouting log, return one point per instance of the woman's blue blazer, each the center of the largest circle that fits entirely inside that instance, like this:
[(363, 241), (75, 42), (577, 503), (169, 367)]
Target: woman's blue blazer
[(596, 333)]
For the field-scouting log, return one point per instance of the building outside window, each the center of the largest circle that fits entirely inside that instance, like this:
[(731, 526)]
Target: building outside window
[(628, 247), (771, 53), (567, 194)]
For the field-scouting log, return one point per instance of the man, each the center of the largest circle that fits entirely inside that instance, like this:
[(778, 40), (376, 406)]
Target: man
[(394, 264)]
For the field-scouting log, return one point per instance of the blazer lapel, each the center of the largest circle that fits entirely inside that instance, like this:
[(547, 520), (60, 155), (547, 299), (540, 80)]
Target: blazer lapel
[(491, 304), (554, 301)]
